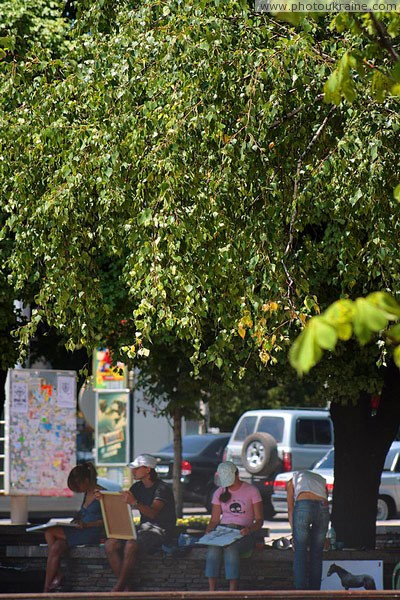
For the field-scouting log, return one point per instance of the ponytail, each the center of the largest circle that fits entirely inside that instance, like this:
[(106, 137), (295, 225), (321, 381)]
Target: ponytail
[(225, 496)]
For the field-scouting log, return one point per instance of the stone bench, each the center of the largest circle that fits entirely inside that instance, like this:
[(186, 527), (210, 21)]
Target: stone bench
[(87, 569)]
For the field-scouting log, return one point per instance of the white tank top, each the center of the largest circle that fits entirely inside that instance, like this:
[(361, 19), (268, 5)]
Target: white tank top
[(308, 481)]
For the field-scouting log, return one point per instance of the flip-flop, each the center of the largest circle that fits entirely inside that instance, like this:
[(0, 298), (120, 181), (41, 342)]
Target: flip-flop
[(56, 583)]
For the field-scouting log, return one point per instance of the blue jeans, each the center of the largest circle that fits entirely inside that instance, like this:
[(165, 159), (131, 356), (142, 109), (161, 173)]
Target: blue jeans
[(231, 557), (310, 524)]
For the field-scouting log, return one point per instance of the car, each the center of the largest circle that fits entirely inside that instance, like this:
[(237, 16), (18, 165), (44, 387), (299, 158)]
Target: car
[(201, 455), (389, 489), (266, 442)]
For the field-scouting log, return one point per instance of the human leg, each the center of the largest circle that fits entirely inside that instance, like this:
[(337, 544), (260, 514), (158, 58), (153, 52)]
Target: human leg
[(114, 549), (57, 544), (127, 567), (319, 528), (213, 565), (232, 559), (302, 516)]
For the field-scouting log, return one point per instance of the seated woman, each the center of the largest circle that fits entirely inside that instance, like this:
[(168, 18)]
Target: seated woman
[(235, 504), (88, 524)]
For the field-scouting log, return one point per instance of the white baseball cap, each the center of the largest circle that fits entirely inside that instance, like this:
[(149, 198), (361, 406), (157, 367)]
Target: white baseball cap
[(226, 474), (143, 460)]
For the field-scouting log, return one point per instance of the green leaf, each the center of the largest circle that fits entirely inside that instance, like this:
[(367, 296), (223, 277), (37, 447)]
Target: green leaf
[(386, 303), (396, 192), (396, 356), (340, 316), (367, 320), (393, 333), (324, 334), (7, 42), (305, 353), (145, 217)]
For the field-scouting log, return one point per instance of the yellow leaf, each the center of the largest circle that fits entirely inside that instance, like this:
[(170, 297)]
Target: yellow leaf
[(270, 306), (241, 330), (264, 356)]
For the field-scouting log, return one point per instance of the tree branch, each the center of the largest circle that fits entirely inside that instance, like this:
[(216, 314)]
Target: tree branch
[(383, 38), (295, 193)]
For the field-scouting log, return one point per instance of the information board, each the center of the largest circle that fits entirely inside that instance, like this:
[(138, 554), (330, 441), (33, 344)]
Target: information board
[(40, 431)]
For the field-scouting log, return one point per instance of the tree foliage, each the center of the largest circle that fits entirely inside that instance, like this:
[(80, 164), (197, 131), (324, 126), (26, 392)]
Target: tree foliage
[(364, 318), (367, 55), (176, 172)]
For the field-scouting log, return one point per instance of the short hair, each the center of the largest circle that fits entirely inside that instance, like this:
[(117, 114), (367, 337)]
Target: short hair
[(81, 473)]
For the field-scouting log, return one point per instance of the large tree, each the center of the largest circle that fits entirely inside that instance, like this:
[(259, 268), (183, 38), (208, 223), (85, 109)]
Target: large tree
[(178, 173)]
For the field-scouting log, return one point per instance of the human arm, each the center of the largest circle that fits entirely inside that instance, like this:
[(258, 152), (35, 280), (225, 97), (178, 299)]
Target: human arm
[(215, 517), (290, 501), (258, 520), (88, 524)]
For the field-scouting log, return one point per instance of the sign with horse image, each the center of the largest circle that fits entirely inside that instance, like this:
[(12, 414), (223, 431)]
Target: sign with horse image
[(352, 574)]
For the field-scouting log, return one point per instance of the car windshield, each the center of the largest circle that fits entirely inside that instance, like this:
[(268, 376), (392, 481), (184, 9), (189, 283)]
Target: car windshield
[(326, 461), (191, 444)]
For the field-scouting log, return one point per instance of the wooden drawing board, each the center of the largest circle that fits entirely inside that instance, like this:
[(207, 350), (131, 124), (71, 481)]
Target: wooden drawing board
[(117, 516)]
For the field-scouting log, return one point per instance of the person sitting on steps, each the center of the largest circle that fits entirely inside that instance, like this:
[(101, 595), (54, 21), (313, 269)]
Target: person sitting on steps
[(155, 502), (238, 505), (88, 524)]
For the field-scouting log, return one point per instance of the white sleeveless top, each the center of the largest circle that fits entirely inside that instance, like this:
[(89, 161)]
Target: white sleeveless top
[(308, 481)]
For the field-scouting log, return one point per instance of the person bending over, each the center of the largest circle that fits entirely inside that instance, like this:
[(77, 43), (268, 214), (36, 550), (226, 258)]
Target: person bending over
[(308, 513), (155, 502)]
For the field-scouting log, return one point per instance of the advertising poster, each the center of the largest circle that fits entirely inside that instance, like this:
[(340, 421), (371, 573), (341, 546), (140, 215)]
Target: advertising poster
[(106, 375), (111, 432), (41, 426), (352, 575)]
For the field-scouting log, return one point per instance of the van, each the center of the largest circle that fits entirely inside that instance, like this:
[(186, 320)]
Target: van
[(266, 442)]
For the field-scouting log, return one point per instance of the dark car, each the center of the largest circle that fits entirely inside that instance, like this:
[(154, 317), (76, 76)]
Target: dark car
[(201, 455)]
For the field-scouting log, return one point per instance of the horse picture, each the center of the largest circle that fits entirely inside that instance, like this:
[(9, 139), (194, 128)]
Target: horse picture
[(349, 580)]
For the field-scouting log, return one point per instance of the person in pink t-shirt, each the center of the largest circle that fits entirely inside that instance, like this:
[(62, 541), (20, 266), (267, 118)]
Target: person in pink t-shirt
[(235, 504)]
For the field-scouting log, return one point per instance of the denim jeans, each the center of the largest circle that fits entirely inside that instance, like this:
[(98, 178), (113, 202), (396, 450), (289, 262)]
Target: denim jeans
[(231, 557), (310, 524)]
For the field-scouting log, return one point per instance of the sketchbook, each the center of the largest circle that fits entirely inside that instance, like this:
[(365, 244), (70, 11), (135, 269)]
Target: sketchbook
[(221, 536), (51, 524)]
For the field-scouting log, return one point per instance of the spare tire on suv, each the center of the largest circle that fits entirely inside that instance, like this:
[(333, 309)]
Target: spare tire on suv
[(260, 454)]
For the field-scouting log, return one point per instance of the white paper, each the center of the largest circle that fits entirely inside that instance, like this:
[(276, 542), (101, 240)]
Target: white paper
[(51, 524), (221, 536), (19, 397), (65, 391)]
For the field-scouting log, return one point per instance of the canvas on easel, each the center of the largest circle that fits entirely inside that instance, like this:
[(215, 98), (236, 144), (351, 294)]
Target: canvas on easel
[(117, 516)]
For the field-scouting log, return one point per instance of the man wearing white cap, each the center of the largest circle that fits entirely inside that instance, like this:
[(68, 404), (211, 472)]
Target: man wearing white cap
[(155, 502)]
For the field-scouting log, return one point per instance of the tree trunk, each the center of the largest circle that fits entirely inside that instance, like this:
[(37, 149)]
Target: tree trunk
[(3, 376), (176, 473), (362, 439)]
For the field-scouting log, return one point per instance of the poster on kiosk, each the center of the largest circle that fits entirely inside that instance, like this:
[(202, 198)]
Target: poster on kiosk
[(111, 410), (40, 431)]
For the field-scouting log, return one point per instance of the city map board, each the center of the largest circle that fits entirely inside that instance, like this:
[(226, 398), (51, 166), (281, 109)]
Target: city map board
[(40, 431)]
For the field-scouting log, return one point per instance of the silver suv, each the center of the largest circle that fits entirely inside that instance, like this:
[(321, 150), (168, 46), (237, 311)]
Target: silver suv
[(267, 442)]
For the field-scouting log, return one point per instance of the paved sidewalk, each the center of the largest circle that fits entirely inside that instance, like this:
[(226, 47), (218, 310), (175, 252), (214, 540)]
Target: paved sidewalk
[(240, 595)]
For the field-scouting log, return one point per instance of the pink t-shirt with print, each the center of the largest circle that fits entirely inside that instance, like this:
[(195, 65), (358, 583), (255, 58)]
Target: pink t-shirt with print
[(239, 508)]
